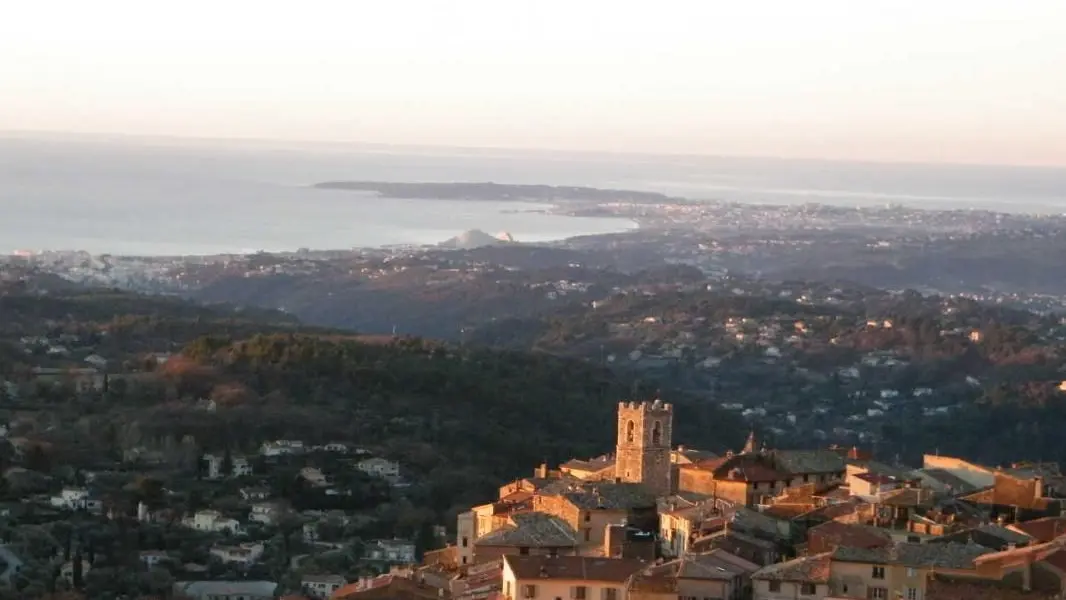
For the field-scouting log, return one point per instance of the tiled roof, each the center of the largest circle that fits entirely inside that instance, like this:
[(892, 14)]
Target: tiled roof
[(991, 536), (1042, 530), (534, 530), (743, 467), (807, 569), (950, 556), (880, 468), (574, 568), (589, 495), (907, 497), (877, 478), (593, 465), (942, 587), (798, 462), (956, 483), (694, 456), (833, 534)]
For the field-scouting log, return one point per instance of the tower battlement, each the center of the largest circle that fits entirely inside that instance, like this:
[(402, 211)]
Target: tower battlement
[(657, 405), (642, 454)]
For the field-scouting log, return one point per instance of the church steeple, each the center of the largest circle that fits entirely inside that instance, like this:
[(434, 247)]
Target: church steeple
[(752, 445)]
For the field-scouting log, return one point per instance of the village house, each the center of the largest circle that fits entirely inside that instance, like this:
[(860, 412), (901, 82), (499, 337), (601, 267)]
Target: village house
[(266, 513), (281, 448), (395, 551), (573, 577), (76, 499), (901, 570), (380, 467), (716, 574), (322, 586), (212, 520), (806, 577), (244, 555), (527, 533), (241, 467), (755, 475), (226, 590)]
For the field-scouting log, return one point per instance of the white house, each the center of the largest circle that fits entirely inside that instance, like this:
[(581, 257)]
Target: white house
[(77, 499), (244, 555), (395, 551), (212, 520), (267, 513), (322, 586), (380, 467), (281, 448)]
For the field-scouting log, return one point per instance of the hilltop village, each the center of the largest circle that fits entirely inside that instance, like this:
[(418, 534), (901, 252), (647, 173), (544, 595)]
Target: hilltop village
[(652, 521)]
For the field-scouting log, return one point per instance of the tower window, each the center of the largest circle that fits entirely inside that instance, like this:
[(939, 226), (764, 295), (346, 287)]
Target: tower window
[(657, 433), (630, 429)]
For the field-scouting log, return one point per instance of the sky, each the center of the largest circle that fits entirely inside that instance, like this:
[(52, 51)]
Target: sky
[(980, 81)]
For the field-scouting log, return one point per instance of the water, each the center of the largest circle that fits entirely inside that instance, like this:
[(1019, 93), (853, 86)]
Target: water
[(158, 197)]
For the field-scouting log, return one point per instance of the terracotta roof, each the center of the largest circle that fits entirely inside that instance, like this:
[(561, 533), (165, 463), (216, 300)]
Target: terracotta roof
[(1042, 530), (951, 556), (907, 497), (387, 586), (807, 569), (942, 587), (573, 568), (833, 534), (743, 467), (788, 511)]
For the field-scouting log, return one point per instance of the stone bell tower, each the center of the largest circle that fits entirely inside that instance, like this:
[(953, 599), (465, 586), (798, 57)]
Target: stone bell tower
[(642, 454)]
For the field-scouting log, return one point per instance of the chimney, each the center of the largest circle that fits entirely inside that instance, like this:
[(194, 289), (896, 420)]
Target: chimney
[(542, 471)]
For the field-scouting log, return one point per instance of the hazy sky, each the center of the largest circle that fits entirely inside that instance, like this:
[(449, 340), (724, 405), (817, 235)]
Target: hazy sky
[(938, 80)]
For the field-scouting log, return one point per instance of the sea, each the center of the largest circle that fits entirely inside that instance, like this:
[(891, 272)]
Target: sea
[(171, 196)]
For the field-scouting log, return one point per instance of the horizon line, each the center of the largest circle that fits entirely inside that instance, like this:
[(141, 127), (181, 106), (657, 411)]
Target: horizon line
[(41, 133)]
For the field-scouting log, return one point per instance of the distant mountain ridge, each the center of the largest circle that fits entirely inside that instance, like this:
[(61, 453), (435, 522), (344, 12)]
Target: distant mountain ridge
[(493, 191)]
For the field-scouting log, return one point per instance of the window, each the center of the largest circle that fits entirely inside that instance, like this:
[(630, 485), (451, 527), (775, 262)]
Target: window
[(656, 434), (529, 591), (806, 478), (808, 589), (466, 542), (553, 552), (464, 560), (879, 573), (610, 594), (912, 572), (912, 593), (524, 551), (630, 429), (877, 593), (588, 517), (914, 540), (588, 534), (578, 592), (775, 586)]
